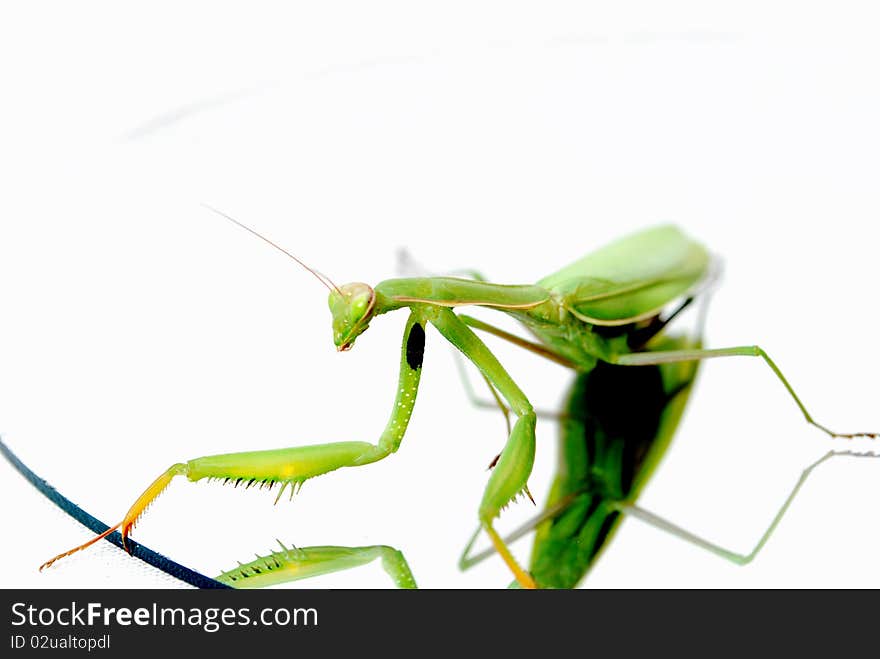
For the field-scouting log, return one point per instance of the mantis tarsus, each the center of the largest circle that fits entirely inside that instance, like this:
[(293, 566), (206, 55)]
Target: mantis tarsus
[(605, 317)]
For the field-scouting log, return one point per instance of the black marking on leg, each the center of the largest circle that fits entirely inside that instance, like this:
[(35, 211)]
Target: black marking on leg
[(415, 346)]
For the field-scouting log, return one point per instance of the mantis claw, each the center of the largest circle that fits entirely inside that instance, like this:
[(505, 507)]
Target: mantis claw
[(856, 435)]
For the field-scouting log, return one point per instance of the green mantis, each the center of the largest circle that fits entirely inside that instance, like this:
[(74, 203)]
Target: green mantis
[(605, 317)]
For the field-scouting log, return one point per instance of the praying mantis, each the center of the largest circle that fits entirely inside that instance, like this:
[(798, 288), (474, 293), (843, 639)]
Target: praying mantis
[(607, 318)]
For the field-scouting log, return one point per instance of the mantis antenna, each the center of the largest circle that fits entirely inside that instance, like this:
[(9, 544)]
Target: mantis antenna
[(324, 279)]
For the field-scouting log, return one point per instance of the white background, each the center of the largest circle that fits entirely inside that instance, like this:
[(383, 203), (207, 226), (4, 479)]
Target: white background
[(139, 329)]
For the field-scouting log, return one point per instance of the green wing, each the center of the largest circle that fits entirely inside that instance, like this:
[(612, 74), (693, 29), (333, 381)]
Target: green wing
[(631, 278)]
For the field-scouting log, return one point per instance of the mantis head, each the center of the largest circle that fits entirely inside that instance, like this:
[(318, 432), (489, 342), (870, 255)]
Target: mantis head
[(352, 307)]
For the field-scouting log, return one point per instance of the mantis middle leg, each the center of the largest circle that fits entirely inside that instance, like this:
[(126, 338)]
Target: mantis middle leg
[(510, 474)]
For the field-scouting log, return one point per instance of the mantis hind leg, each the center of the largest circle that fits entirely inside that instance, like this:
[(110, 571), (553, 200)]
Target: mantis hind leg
[(672, 356), (632, 510)]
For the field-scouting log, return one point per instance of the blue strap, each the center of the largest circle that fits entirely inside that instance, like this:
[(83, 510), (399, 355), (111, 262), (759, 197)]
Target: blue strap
[(137, 550)]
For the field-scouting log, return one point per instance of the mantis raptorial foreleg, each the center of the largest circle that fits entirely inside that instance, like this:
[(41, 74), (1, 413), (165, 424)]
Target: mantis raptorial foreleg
[(535, 348), (496, 403), (468, 560), (632, 510), (671, 356), (294, 563), (511, 472), (289, 468)]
